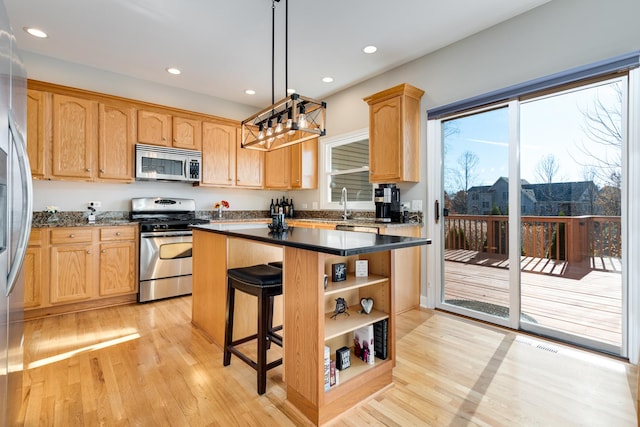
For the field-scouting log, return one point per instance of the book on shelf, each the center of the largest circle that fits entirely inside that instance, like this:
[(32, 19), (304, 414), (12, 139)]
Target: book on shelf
[(332, 373), (381, 338), (363, 347), (327, 368)]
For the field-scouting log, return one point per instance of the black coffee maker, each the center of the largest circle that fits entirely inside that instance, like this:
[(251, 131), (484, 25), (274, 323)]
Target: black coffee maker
[(387, 200)]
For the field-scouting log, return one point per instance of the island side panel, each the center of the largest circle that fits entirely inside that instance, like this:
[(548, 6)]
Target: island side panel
[(209, 284), (213, 254), (304, 329)]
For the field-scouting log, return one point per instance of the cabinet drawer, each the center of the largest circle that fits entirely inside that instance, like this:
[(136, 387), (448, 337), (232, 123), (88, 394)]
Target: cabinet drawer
[(71, 235), (36, 236), (118, 233)]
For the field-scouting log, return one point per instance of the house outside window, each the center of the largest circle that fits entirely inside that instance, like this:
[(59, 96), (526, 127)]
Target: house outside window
[(346, 165)]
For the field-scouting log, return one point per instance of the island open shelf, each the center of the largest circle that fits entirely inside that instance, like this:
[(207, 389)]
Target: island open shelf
[(344, 324)]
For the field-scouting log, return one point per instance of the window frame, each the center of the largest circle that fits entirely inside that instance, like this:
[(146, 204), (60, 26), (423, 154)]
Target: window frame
[(327, 144)]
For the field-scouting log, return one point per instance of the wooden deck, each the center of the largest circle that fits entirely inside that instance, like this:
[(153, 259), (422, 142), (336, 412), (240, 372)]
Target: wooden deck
[(583, 299)]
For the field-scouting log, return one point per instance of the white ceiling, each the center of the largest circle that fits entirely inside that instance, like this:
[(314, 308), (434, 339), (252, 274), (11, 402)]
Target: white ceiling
[(224, 48)]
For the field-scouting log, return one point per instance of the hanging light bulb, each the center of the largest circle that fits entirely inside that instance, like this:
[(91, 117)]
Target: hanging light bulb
[(289, 123), (261, 133), (278, 131), (302, 118), (270, 137)]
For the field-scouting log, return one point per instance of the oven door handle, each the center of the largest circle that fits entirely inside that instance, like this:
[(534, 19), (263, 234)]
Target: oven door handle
[(155, 235)]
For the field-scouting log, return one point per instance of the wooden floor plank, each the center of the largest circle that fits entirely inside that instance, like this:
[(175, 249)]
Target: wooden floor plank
[(450, 371)]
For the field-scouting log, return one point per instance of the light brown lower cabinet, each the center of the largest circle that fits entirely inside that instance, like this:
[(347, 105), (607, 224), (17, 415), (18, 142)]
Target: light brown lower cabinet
[(73, 268)]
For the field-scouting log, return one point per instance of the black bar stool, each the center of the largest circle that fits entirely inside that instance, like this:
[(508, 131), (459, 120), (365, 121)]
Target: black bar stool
[(265, 282), (276, 264)]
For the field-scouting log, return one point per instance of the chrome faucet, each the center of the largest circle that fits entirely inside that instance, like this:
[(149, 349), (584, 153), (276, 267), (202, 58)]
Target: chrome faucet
[(343, 201)]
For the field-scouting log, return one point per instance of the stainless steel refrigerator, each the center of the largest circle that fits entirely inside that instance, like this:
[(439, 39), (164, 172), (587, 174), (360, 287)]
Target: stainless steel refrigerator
[(15, 219)]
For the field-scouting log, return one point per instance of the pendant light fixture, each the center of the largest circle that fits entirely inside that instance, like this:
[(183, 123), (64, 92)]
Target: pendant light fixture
[(291, 120)]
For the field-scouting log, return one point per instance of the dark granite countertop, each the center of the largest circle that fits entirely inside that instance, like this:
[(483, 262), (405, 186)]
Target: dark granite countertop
[(343, 243)]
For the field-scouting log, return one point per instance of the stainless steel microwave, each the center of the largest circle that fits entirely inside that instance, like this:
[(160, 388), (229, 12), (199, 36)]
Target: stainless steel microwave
[(154, 163)]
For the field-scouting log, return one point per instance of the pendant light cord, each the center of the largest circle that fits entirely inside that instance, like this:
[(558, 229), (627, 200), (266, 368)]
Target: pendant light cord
[(273, 49)]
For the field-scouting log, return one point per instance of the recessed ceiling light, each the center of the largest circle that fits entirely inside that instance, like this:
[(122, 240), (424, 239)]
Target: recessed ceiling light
[(250, 92), (327, 79), (369, 49), (172, 70), (35, 32)]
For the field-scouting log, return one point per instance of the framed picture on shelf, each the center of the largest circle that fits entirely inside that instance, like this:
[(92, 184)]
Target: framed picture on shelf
[(339, 272)]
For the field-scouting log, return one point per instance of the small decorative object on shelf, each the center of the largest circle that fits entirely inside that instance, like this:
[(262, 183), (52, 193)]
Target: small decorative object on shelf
[(327, 368), (341, 307), (362, 268), (220, 205), (367, 305), (326, 281), (343, 358), (339, 272)]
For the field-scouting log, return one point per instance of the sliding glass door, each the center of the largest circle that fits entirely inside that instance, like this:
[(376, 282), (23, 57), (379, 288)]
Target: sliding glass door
[(532, 230), (571, 146)]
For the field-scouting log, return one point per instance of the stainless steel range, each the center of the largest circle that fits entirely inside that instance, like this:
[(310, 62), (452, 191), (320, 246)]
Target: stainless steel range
[(165, 245)]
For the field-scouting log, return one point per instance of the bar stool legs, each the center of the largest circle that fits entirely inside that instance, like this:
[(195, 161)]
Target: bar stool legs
[(264, 282)]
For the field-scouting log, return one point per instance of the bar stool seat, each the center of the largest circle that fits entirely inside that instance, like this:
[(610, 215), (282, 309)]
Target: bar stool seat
[(276, 264), (264, 282)]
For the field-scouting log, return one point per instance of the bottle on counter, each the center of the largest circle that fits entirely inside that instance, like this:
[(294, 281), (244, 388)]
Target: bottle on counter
[(291, 209), (276, 208), (285, 206), (272, 208)]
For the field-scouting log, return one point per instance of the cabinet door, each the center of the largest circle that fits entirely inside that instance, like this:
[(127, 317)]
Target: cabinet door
[(38, 130), (33, 278), (277, 168), (154, 128), (72, 271), (187, 133), (249, 165), (117, 268), (74, 140), (385, 140), (115, 142), (218, 154), (304, 165)]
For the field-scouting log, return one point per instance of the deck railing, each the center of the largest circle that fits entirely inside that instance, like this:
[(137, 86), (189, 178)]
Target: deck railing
[(569, 238)]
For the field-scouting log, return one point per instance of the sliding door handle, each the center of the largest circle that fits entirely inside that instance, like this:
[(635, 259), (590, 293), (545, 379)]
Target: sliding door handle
[(436, 215)]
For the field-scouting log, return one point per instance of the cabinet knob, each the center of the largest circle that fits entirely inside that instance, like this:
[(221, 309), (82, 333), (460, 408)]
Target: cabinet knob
[(101, 170), (72, 236), (103, 251), (118, 233), (89, 252), (88, 169)]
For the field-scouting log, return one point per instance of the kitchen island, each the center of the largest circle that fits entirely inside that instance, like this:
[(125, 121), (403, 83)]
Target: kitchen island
[(307, 307)]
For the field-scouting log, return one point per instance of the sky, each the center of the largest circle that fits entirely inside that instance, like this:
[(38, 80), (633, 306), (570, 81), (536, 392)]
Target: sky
[(552, 125)]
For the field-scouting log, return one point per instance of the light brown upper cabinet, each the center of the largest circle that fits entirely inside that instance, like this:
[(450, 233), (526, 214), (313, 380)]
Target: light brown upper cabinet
[(116, 140), (293, 167), (154, 128), (304, 165), (75, 135), (277, 168), (38, 131), (249, 165), (187, 133), (394, 134), (218, 154)]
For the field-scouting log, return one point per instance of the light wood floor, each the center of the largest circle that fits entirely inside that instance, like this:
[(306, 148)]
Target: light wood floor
[(145, 365)]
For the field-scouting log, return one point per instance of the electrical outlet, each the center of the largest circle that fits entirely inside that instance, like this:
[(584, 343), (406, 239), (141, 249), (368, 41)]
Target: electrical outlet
[(314, 205), (95, 204), (416, 205), (305, 206)]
